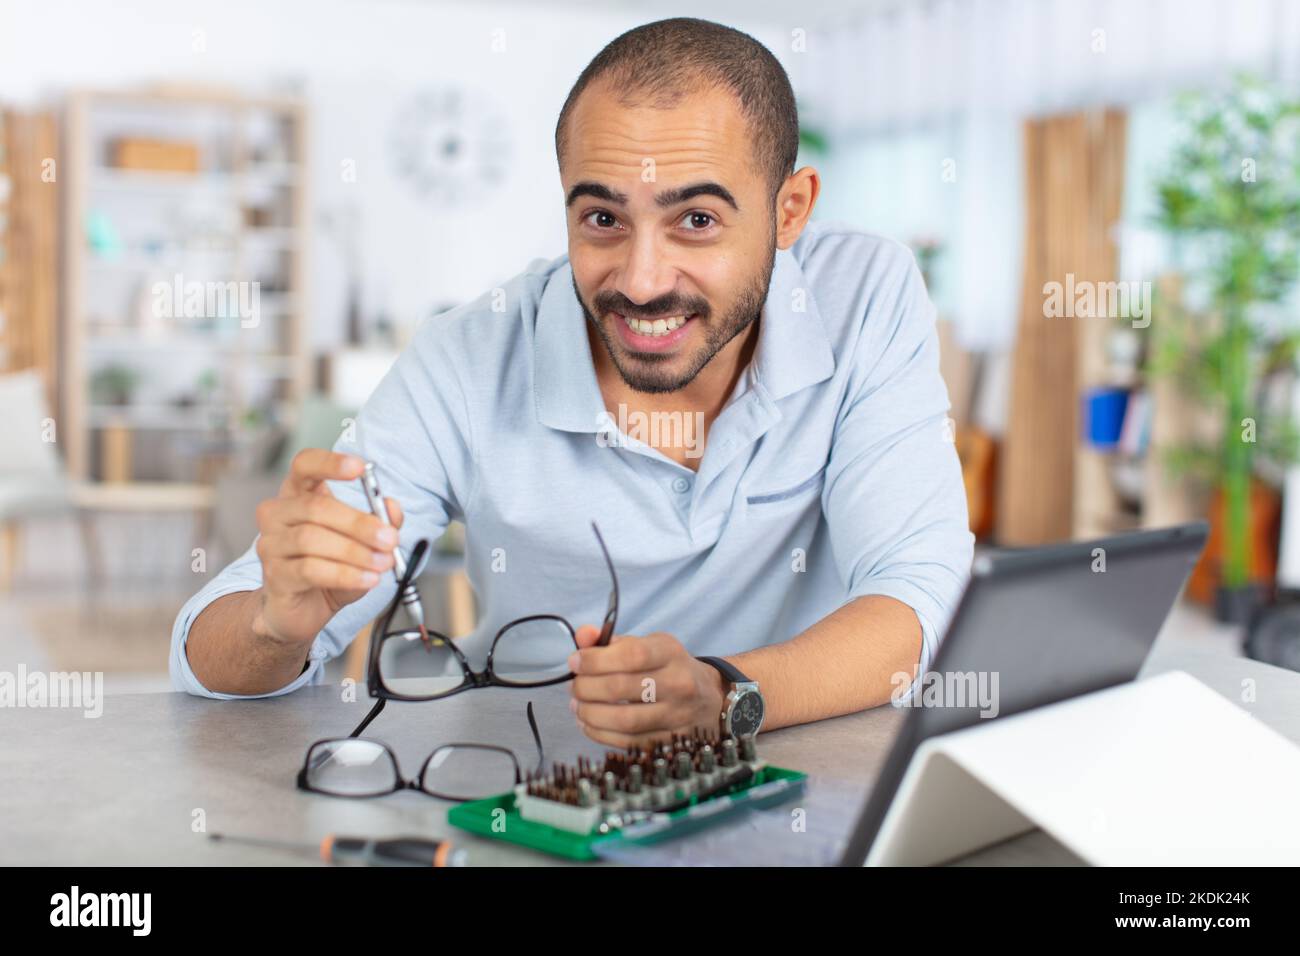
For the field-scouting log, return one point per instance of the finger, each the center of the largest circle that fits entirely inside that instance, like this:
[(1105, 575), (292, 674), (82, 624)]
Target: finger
[(297, 574), (394, 512), (629, 718), (587, 635), (317, 541), (313, 466), (625, 653), (335, 515), (613, 688)]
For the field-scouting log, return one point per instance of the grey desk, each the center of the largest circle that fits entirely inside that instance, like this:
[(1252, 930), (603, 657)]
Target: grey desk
[(134, 785)]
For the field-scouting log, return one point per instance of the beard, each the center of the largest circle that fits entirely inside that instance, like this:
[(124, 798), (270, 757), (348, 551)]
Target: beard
[(652, 372)]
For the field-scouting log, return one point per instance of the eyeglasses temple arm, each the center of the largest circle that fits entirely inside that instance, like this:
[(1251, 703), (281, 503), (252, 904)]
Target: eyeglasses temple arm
[(374, 712), (537, 737), (613, 602)]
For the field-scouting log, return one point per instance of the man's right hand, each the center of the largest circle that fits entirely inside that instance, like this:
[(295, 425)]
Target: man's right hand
[(317, 553)]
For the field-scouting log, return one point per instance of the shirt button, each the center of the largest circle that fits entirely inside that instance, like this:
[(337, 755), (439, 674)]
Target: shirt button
[(681, 485)]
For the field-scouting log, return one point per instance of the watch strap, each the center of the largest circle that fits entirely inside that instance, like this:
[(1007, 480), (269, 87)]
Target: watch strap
[(727, 670)]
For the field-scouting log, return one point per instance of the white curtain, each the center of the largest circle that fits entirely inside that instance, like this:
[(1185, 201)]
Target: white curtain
[(915, 62), (964, 74)]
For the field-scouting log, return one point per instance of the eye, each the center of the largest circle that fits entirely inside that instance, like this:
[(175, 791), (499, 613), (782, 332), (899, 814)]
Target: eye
[(697, 221), (601, 219)]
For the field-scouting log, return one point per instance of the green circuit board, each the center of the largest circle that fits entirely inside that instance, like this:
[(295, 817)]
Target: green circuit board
[(499, 818)]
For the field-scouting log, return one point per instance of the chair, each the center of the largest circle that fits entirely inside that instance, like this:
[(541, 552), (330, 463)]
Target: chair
[(32, 481)]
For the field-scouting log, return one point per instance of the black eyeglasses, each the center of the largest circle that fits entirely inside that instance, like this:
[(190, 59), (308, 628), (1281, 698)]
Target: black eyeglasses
[(408, 664), (356, 767)]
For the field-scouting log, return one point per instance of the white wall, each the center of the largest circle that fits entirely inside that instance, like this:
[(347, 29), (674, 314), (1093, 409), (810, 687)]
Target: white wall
[(357, 63)]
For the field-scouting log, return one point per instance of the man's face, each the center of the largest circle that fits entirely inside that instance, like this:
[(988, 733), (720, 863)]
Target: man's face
[(671, 231)]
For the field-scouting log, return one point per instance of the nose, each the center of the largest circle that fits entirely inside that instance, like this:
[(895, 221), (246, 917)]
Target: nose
[(646, 273)]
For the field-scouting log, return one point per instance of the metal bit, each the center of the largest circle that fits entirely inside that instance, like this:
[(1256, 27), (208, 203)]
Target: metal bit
[(660, 777), (707, 761), (729, 758), (682, 766)]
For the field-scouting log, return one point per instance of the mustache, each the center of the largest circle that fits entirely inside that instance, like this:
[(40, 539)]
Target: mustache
[(670, 304)]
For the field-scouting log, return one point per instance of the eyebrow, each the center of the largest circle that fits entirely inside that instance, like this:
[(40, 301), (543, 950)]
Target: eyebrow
[(596, 190), (669, 197)]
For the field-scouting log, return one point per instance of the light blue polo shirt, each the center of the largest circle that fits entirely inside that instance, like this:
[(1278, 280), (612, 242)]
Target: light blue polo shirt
[(830, 474)]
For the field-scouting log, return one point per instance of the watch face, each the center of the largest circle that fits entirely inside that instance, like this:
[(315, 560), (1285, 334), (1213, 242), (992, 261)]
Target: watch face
[(747, 715)]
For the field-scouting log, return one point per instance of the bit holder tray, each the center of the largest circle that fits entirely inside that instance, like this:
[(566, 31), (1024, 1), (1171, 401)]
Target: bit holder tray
[(637, 795)]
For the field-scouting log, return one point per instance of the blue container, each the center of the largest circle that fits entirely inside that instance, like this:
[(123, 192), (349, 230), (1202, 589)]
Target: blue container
[(1103, 416)]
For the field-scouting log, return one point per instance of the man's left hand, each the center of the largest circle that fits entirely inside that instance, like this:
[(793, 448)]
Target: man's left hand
[(637, 690)]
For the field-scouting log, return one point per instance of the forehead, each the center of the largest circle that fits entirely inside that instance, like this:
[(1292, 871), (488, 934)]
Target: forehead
[(702, 134)]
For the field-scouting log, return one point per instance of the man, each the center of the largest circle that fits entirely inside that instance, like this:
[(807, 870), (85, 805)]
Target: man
[(800, 515)]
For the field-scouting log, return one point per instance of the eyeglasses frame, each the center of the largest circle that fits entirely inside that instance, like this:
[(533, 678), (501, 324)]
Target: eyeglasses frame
[(473, 679), (414, 783)]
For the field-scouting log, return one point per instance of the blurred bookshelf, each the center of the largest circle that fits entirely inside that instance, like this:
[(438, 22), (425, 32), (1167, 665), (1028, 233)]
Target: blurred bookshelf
[(185, 245), (1122, 478)]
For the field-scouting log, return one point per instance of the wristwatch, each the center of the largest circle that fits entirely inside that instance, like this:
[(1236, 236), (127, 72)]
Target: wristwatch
[(743, 710)]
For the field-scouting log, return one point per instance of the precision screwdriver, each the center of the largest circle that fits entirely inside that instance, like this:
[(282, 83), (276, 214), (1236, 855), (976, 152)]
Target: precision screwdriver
[(399, 851), (410, 596)]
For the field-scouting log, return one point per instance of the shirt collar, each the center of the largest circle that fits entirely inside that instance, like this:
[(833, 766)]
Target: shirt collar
[(564, 378), (793, 350)]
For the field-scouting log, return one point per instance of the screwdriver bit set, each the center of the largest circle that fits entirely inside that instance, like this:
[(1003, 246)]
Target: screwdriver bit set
[(642, 793)]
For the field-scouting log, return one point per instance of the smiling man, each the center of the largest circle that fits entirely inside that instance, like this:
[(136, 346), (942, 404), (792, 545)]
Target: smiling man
[(809, 538)]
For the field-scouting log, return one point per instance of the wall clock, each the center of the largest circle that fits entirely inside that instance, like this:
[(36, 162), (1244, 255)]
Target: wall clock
[(450, 146)]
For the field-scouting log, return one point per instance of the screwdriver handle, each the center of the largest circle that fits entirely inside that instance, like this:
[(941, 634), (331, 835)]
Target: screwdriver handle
[(400, 851), (378, 507)]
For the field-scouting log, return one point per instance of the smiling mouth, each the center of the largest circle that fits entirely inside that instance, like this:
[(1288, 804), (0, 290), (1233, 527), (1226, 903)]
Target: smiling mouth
[(655, 327)]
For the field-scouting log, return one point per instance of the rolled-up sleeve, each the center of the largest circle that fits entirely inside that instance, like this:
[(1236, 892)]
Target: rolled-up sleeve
[(243, 574), (893, 499), (415, 427)]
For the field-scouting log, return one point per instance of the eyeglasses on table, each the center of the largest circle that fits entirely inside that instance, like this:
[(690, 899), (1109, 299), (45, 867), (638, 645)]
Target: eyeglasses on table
[(359, 767)]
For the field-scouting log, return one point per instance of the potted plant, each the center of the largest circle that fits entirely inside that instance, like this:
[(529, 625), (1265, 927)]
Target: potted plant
[(1230, 200), (113, 385)]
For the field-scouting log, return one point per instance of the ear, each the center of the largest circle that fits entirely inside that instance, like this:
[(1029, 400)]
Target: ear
[(794, 205)]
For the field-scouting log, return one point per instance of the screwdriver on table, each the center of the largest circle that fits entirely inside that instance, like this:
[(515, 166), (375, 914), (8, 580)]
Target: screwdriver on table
[(398, 851)]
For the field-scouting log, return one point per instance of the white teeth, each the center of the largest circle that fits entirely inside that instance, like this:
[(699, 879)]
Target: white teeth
[(657, 327)]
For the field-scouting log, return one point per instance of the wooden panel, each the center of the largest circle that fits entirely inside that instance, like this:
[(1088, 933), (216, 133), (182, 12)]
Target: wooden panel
[(1097, 508), (29, 269), (1073, 175)]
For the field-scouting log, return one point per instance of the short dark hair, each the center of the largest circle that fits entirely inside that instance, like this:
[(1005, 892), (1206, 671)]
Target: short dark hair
[(662, 62)]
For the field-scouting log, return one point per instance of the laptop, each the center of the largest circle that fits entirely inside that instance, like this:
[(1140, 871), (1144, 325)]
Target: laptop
[(1051, 623)]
